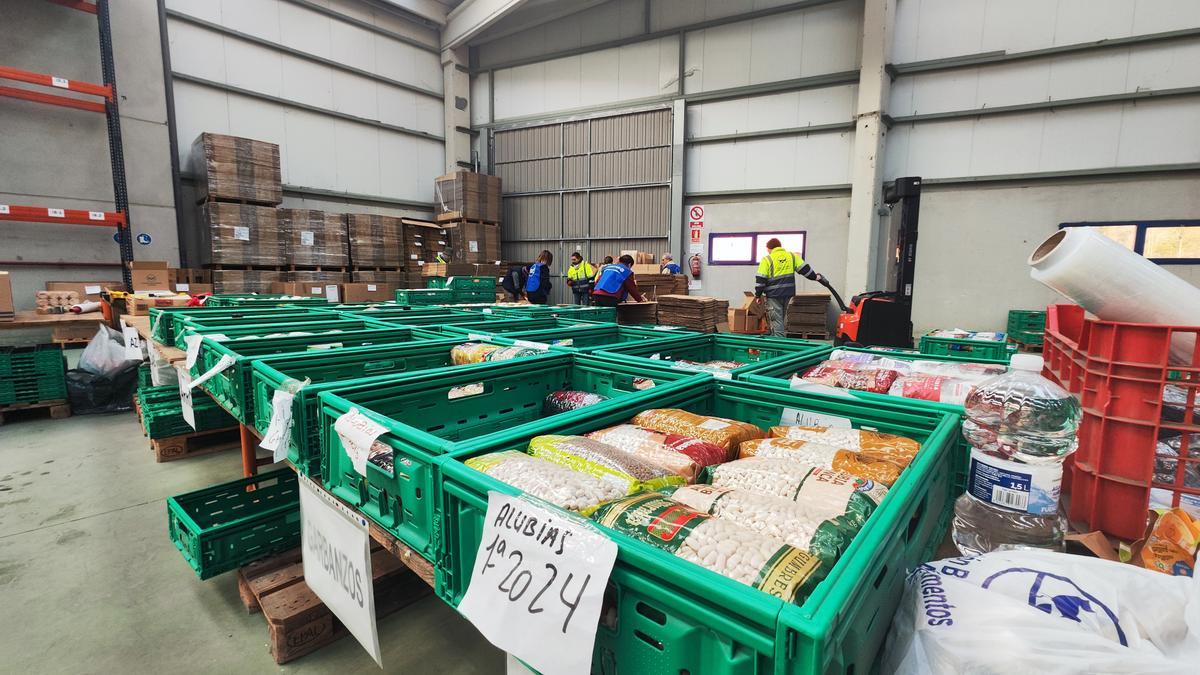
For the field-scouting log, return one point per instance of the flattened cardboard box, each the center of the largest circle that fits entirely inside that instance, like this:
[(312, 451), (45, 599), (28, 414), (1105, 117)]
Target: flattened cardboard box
[(241, 234), (315, 237), (375, 241)]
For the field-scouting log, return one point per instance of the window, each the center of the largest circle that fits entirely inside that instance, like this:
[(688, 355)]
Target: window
[(1166, 242), (747, 248)]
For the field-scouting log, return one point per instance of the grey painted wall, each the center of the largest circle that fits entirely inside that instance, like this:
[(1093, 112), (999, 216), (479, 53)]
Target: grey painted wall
[(974, 242), (824, 218), (59, 157)]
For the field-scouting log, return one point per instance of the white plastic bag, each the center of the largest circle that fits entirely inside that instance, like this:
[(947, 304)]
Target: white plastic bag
[(1044, 612), (106, 353)]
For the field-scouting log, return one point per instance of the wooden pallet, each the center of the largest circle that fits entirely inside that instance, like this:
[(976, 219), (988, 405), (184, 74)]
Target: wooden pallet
[(1026, 347), (297, 621), (814, 335), (58, 409), (195, 444)]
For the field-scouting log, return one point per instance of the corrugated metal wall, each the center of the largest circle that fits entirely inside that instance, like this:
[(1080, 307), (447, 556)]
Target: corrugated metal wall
[(596, 186)]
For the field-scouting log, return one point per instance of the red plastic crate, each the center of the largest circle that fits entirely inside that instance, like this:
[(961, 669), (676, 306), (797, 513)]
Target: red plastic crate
[(1120, 371)]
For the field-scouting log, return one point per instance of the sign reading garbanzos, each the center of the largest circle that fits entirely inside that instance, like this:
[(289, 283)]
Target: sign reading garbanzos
[(337, 562), (538, 583)]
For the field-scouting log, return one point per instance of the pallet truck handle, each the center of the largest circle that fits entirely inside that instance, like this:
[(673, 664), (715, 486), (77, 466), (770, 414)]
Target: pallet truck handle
[(825, 282)]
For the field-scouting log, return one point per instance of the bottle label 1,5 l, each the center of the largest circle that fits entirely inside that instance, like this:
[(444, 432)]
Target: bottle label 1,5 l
[(1014, 486)]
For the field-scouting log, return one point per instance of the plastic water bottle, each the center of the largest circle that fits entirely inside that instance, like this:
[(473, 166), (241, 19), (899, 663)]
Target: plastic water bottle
[(1021, 427)]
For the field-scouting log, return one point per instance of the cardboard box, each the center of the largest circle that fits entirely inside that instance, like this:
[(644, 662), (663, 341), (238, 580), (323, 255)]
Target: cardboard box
[(192, 289), (467, 195), (639, 257), (6, 299), (375, 241), (474, 242), (742, 321), (244, 281), (314, 237), (423, 241), (448, 270), (752, 306), (150, 275), (87, 290), (241, 234), (314, 289), (367, 292), (139, 305), (645, 268)]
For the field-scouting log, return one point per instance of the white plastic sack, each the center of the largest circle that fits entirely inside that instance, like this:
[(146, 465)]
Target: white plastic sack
[(106, 353), (1044, 612)]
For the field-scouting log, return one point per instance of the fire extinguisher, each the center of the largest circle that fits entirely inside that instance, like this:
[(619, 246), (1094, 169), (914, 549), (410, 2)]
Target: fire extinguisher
[(694, 266)]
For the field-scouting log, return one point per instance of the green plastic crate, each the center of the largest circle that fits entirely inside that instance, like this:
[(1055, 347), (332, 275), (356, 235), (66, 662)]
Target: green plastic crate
[(218, 324), (262, 300), (670, 616), (424, 296), (606, 314), (164, 321), (145, 379), (584, 337), (1026, 320), (779, 376), (463, 283), (474, 295), (326, 371), (231, 387), (162, 412), (755, 352), (980, 349), (32, 373), (326, 324), (223, 527), (424, 422)]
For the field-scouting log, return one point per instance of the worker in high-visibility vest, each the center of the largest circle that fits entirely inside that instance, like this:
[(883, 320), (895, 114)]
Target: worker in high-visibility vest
[(579, 278), (776, 281)]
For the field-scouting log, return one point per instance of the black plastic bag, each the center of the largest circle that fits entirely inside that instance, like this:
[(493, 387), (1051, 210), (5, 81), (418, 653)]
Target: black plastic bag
[(91, 393)]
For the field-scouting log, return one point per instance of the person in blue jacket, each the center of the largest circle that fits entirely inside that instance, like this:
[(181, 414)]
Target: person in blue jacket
[(537, 285), (615, 283), (667, 264)]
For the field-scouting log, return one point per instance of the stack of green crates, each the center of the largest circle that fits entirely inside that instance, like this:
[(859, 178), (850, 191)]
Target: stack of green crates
[(145, 380), (30, 374), (974, 349), (1026, 326), (466, 289), (162, 412)]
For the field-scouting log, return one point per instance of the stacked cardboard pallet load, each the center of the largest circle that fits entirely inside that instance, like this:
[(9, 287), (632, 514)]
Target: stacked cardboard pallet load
[(655, 285), (424, 244), (694, 312), (806, 316), (240, 238), (469, 208), (316, 252)]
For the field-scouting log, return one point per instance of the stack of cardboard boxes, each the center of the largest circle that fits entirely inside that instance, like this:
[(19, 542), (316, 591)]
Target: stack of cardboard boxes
[(240, 237), (750, 318), (469, 207)]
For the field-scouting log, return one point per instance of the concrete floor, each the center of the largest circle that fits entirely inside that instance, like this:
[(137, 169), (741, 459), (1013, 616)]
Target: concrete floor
[(90, 581)]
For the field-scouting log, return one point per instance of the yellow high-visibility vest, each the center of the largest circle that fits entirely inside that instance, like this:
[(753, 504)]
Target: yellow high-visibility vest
[(581, 272)]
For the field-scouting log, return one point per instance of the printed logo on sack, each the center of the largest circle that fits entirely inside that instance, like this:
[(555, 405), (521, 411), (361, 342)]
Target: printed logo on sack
[(1057, 595)]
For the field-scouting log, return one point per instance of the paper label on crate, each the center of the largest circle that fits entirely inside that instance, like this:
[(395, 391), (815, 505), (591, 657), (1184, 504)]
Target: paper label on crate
[(1015, 486), (331, 293), (473, 246), (316, 290), (133, 343), (280, 429), (56, 213), (226, 361), (487, 310), (538, 583), (413, 256), (193, 348), (183, 287), (306, 238), (358, 433), (91, 290), (241, 233), (4, 209), (807, 418), (95, 215), (185, 394), (476, 337), (371, 288), (531, 345), (336, 546)]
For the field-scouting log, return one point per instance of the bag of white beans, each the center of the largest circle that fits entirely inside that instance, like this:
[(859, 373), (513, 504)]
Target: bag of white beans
[(898, 449), (824, 493), (547, 481), (770, 516), (784, 571), (821, 455)]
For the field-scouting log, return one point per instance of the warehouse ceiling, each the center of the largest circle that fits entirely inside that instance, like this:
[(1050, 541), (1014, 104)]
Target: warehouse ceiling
[(530, 13)]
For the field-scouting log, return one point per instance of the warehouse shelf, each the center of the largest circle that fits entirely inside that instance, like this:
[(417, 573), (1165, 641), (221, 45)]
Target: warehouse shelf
[(119, 216)]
